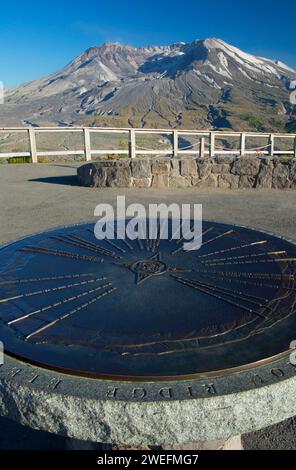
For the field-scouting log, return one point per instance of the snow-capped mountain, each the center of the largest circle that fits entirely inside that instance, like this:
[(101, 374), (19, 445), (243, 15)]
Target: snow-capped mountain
[(206, 83)]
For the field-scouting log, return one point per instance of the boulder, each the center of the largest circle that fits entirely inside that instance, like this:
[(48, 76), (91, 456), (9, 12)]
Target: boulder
[(175, 168), (246, 182), (180, 182), (228, 181), (92, 175), (245, 166), (141, 168), (221, 159), (160, 181), (188, 167), (204, 168), (160, 167), (264, 178), (220, 168), (293, 175), (281, 176), (141, 182), (209, 182), (119, 175)]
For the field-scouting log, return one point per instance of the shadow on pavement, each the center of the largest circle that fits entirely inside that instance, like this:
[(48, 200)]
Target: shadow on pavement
[(65, 165), (14, 436), (67, 180)]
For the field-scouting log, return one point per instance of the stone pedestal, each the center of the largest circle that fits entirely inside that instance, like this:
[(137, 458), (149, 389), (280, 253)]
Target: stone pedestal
[(217, 172), (74, 407)]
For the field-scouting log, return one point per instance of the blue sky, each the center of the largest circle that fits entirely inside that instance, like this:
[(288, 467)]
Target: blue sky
[(39, 38)]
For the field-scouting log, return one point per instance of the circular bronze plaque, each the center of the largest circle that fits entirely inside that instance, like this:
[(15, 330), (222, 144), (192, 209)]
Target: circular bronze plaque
[(147, 308)]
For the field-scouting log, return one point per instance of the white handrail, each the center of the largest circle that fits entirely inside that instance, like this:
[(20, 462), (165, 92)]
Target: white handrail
[(132, 149)]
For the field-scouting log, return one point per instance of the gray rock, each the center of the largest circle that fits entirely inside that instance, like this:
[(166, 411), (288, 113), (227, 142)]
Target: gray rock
[(246, 182), (224, 159), (220, 168), (175, 168), (99, 179), (188, 167), (281, 174), (264, 178), (119, 176), (293, 170), (141, 182), (180, 182), (293, 175), (160, 181), (204, 168), (85, 174), (245, 166), (228, 181), (141, 168), (209, 182), (161, 167)]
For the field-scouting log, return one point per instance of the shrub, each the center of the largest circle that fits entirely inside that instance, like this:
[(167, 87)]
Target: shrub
[(16, 160), (43, 160)]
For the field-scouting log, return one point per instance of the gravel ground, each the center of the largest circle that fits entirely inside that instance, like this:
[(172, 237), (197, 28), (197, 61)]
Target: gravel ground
[(38, 197)]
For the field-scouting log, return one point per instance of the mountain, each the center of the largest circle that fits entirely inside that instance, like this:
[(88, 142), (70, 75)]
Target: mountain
[(206, 83)]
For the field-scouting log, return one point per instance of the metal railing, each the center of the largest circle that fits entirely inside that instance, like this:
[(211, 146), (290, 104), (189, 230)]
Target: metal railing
[(207, 144)]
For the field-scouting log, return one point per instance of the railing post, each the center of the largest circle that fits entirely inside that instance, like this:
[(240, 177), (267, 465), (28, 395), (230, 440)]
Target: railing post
[(212, 144), (132, 144), (271, 144), (243, 144), (175, 144), (33, 150), (87, 147), (202, 147), (295, 147)]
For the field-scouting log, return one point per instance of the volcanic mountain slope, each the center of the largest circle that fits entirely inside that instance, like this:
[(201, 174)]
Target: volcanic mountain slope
[(206, 83)]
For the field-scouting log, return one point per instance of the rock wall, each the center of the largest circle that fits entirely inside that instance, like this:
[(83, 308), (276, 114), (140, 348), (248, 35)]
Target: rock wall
[(219, 172)]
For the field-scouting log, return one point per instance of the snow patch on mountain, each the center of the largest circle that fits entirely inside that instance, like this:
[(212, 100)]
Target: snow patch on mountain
[(220, 71)]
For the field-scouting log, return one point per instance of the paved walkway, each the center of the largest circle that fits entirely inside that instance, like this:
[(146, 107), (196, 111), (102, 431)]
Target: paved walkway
[(37, 197)]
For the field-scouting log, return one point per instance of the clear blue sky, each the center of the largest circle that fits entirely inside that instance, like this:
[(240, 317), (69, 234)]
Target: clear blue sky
[(38, 38)]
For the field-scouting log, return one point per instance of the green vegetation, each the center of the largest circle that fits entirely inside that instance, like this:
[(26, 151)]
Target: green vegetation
[(252, 120), (17, 160), (22, 160), (43, 160)]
